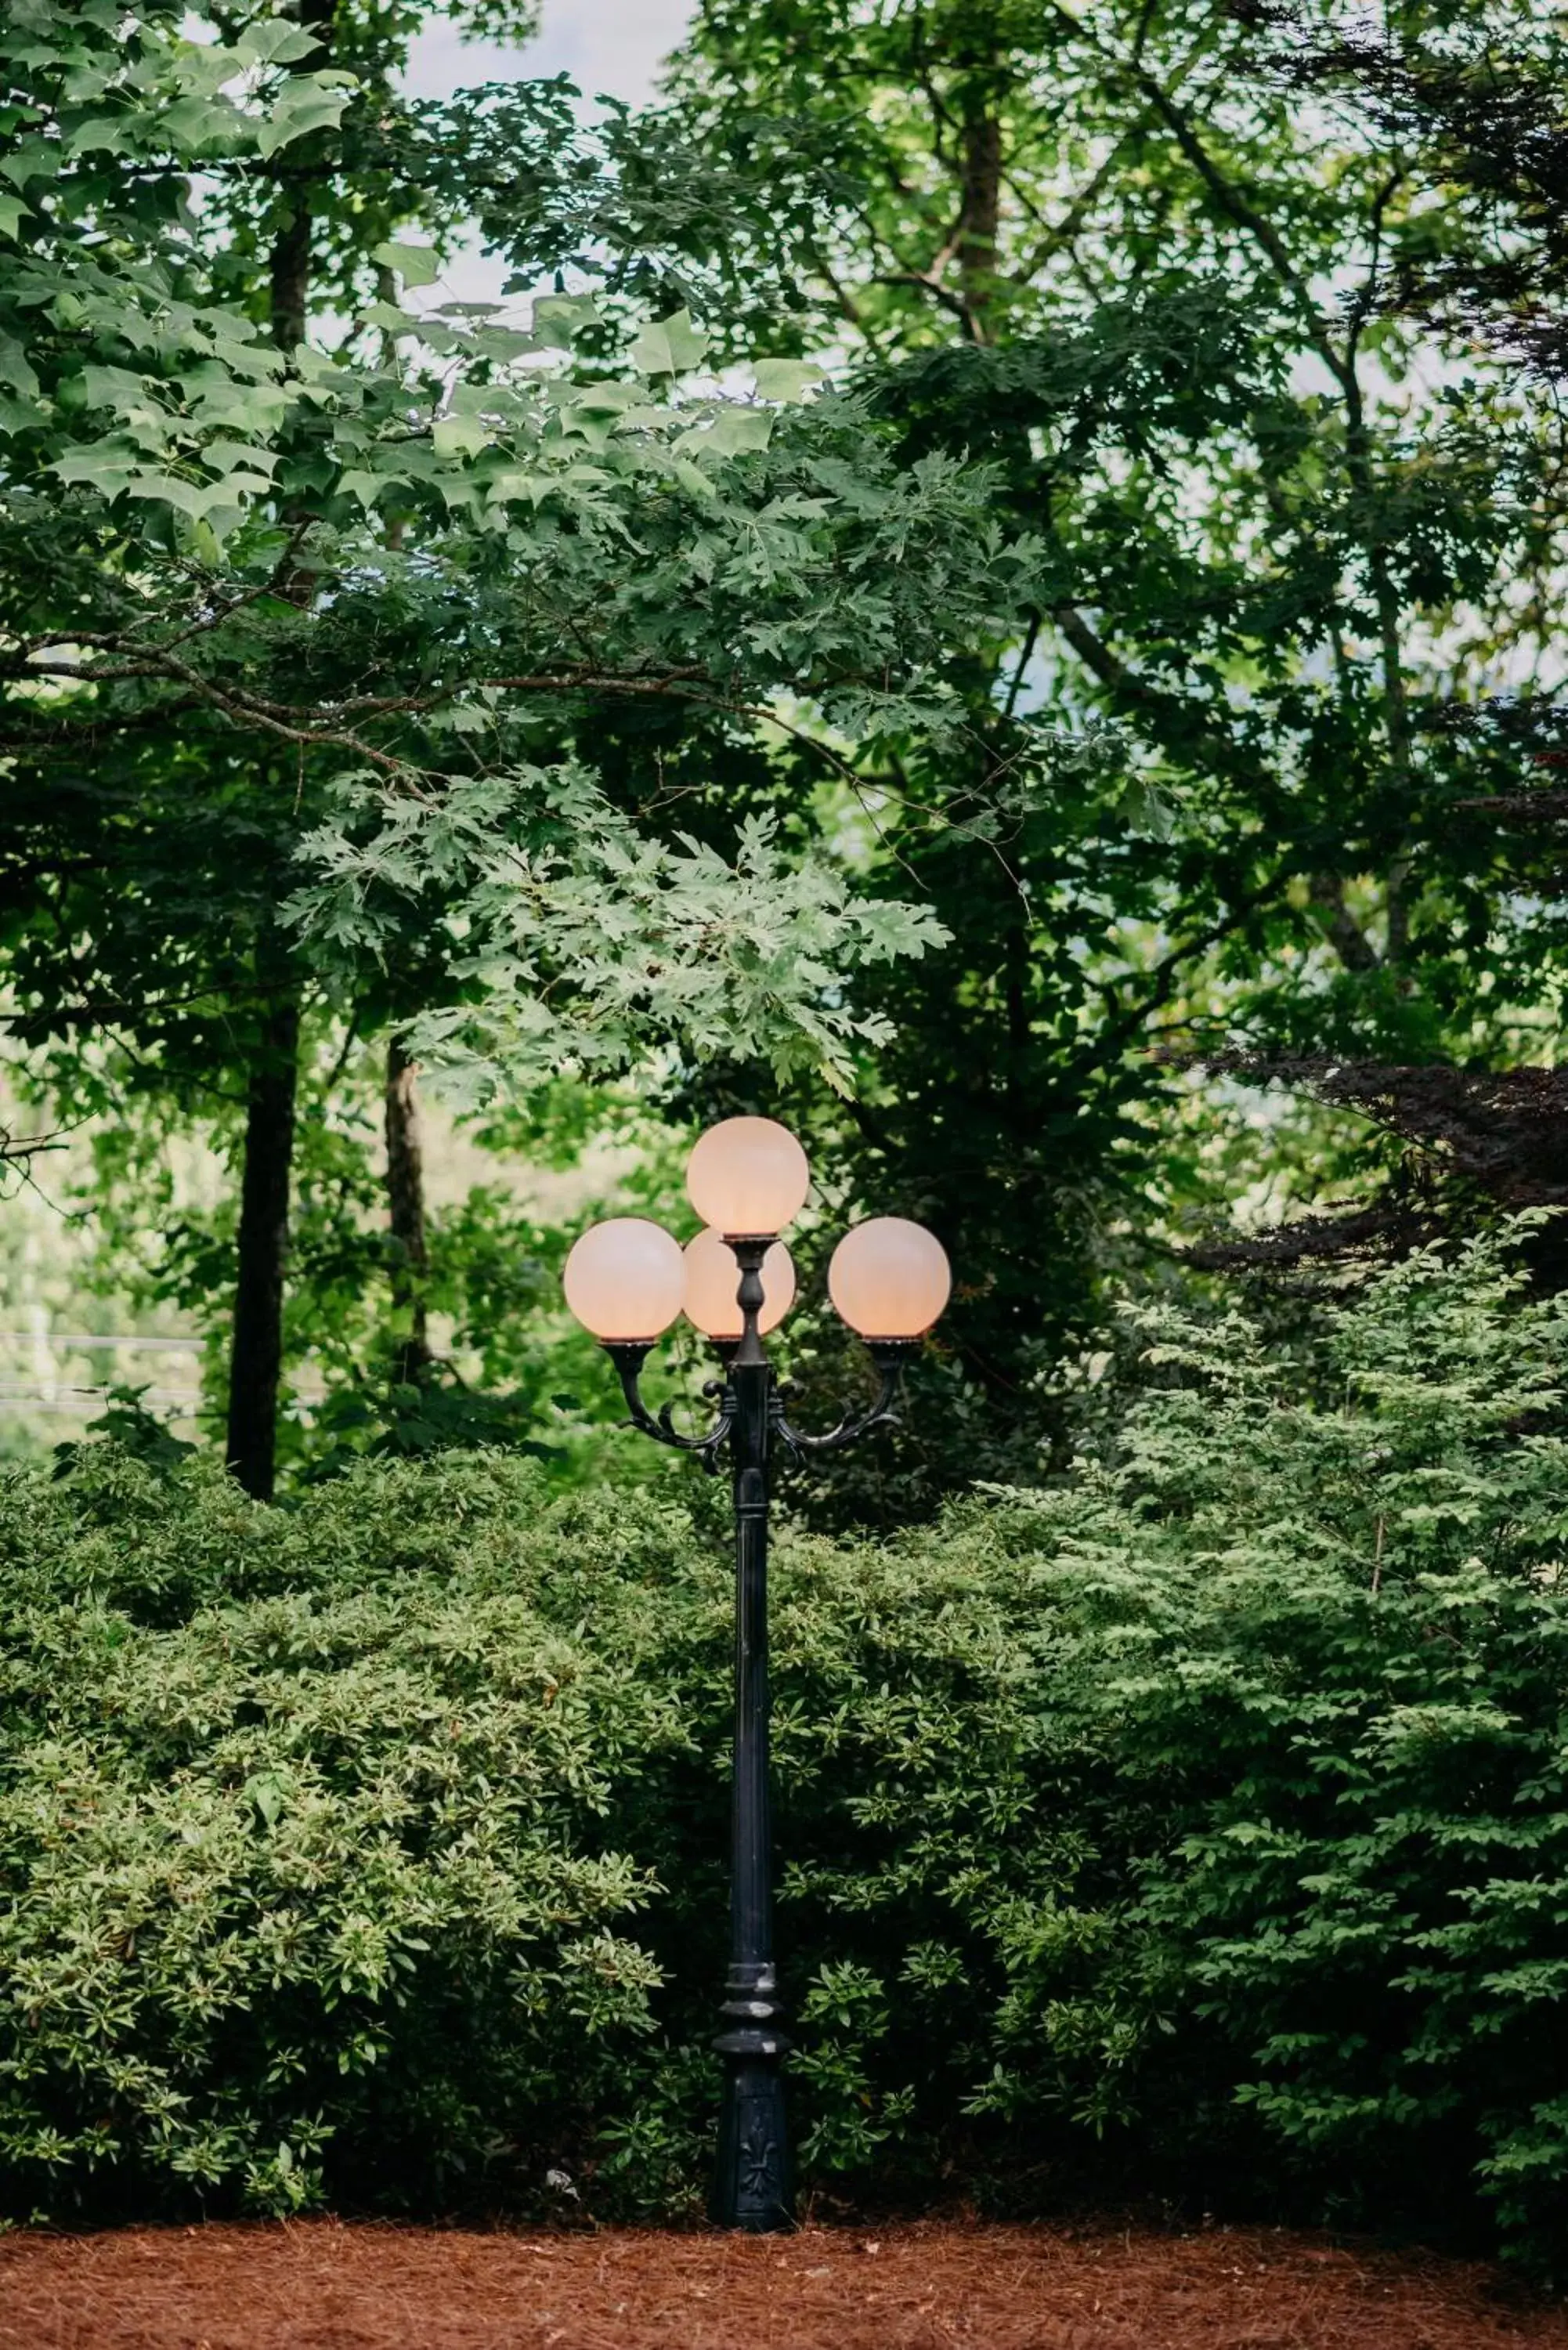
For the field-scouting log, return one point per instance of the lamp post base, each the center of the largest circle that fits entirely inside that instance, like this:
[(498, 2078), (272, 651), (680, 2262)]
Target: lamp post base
[(751, 2184)]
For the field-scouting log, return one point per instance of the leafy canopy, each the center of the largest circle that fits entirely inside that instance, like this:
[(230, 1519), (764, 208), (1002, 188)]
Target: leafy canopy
[(417, 549)]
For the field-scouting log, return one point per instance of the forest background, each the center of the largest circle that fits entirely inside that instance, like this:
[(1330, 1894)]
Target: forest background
[(979, 578)]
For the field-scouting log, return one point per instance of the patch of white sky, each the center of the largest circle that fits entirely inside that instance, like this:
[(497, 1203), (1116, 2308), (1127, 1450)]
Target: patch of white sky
[(610, 48)]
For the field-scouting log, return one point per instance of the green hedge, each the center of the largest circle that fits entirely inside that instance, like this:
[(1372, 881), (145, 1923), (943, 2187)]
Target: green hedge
[(1197, 1826)]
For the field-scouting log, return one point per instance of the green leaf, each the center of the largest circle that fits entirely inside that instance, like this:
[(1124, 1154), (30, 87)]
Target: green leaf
[(391, 320), (105, 468), (732, 432), (366, 487), (416, 264), (306, 103), (275, 41), (1148, 811), (15, 369), (560, 318), (31, 159), (461, 436), (196, 499), (669, 346), (784, 380)]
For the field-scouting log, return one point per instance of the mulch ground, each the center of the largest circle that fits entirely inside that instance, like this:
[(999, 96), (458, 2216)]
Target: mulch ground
[(318, 2286)]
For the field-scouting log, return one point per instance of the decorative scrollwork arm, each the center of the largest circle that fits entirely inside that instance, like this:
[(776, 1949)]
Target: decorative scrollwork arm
[(889, 1354), (628, 1360)]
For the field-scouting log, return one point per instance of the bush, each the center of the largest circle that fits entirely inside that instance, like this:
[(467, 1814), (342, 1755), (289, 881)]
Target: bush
[(1197, 1826), (302, 1836), (1318, 1625)]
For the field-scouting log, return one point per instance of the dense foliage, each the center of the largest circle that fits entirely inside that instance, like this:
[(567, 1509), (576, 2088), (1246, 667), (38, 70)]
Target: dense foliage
[(326, 609), (988, 559), (1237, 779), (1100, 610), (1196, 1823)]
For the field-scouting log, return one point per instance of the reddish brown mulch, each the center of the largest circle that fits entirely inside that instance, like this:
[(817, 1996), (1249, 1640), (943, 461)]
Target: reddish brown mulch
[(321, 2286)]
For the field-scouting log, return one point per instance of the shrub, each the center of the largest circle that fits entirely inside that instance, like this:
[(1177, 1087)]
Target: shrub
[(301, 1836), (1325, 1643), (1196, 1826)]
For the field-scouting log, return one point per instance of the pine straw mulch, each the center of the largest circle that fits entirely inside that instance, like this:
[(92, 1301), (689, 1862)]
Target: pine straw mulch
[(319, 2285)]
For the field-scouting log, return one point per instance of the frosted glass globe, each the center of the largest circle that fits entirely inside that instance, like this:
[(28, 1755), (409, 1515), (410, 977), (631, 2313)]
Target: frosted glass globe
[(713, 1281), (748, 1175), (625, 1279), (889, 1278)]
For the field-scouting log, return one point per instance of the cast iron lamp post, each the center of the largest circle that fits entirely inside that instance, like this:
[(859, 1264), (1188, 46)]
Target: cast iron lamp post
[(626, 1281)]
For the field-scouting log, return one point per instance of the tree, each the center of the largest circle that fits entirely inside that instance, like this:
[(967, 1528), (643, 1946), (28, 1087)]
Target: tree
[(361, 602), (1472, 97), (1202, 794)]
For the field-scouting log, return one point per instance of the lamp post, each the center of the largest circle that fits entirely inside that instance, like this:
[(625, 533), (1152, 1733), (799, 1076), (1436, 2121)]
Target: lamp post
[(626, 1281)]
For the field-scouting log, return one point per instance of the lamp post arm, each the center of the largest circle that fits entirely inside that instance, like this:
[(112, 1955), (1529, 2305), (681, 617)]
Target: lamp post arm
[(889, 1354), (628, 1357)]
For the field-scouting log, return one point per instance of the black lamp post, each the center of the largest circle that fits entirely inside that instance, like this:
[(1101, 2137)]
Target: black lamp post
[(626, 1281)]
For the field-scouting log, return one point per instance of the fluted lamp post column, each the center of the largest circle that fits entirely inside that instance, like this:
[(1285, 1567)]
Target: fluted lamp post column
[(626, 1281)]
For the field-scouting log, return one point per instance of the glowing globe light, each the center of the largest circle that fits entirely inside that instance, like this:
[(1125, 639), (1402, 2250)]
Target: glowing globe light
[(625, 1279), (713, 1281), (748, 1176), (889, 1278)]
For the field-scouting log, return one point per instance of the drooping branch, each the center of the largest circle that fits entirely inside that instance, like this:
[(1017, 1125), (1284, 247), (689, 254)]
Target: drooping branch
[(1490, 117), (325, 725), (1501, 1136), (20, 1149)]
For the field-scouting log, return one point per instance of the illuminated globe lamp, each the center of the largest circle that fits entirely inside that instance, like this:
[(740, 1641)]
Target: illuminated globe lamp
[(628, 1281), (748, 1177), (712, 1299), (890, 1279), (625, 1281)]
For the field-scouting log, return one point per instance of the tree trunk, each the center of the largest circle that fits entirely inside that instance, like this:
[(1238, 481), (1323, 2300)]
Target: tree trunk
[(1344, 933), (290, 272), (255, 1361), (405, 1216), (290, 256), (980, 214)]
